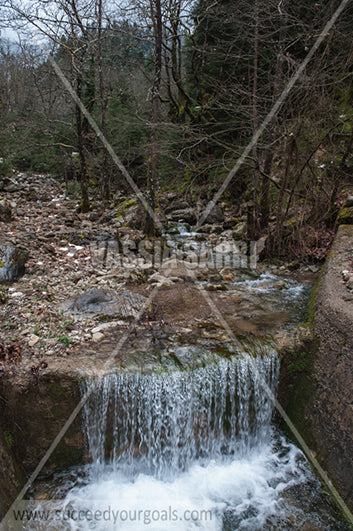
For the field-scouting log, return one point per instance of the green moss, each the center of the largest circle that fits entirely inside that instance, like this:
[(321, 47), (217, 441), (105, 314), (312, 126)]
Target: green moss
[(300, 363), (124, 207), (301, 369), (9, 439), (129, 203), (2, 263), (345, 217), (293, 266)]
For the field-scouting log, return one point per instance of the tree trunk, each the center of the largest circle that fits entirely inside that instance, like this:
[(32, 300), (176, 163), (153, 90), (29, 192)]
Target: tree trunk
[(266, 185), (253, 213), (85, 205), (105, 181), (150, 228)]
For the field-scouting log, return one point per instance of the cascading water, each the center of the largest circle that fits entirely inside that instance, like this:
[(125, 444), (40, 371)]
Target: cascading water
[(189, 450), (160, 424)]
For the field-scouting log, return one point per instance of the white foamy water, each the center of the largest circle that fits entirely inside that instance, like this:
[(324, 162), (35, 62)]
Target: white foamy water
[(248, 489), (267, 283)]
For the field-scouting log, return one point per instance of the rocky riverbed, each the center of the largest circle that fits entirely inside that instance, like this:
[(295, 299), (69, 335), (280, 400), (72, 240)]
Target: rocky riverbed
[(69, 254)]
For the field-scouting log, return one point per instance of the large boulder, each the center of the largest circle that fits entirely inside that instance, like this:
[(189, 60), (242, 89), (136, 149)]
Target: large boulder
[(98, 302), (186, 215), (12, 263), (130, 213), (175, 268), (177, 204), (36, 410), (320, 403)]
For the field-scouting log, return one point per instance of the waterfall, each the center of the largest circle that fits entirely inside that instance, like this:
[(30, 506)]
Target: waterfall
[(161, 423), (189, 450)]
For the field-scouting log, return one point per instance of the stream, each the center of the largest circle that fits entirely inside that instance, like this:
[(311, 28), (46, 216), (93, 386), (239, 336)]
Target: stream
[(193, 449)]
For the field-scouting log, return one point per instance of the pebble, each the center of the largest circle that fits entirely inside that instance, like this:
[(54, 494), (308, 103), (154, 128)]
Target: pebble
[(97, 336), (346, 275), (25, 331), (33, 340), (106, 326), (314, 268), (229, 277)]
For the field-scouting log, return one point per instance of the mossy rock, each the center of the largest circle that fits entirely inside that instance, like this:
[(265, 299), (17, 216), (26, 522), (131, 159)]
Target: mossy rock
[(130, 213), (293, 222), (239, 231), (12, 263), (294, 266), (345, 217)]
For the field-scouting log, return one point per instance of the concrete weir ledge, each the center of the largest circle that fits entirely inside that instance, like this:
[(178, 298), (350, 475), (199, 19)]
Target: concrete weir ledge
[(329, 413)]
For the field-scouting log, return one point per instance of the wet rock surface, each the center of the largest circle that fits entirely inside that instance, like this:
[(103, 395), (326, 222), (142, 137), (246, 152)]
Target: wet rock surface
[(35, 411)]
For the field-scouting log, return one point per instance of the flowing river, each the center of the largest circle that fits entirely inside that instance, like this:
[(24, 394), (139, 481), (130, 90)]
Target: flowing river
[(193, 449)]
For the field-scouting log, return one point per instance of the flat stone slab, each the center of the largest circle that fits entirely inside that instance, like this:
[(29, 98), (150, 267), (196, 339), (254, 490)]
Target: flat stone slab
[(103, 303)]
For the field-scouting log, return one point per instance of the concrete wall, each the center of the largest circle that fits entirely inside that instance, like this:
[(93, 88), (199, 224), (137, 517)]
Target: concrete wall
[(330, 410), (32, 414)]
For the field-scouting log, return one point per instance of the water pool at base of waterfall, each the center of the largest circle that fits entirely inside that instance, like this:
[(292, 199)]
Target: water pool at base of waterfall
[(272, 487), (187, 450)]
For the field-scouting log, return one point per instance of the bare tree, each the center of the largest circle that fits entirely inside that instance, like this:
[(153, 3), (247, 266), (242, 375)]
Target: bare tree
[(74, 28)]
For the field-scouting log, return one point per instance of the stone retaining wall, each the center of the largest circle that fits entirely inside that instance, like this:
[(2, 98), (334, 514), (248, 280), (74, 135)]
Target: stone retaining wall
[(32, 413), (330, 411)]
